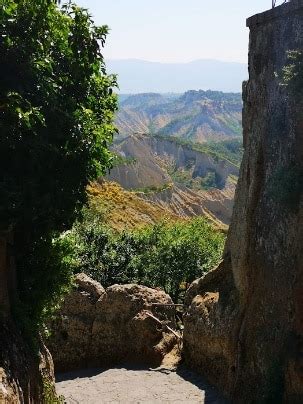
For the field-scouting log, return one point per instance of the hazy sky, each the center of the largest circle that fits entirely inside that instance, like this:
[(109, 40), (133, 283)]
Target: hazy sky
[(176, 30)]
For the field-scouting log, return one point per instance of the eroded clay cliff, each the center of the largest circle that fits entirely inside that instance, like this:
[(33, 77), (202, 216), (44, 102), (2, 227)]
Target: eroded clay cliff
[(244, 322)]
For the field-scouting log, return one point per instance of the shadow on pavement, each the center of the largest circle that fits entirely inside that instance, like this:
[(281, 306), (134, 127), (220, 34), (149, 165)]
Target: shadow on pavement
[(211, 394)]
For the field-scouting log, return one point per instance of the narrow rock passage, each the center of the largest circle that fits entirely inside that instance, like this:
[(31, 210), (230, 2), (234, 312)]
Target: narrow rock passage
[(134, 385)]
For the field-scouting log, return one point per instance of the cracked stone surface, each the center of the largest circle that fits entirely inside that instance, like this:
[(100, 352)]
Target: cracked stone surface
[(133, 385)]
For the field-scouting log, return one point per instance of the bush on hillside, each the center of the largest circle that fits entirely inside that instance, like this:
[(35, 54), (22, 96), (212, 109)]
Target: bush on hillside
[(167, 255)]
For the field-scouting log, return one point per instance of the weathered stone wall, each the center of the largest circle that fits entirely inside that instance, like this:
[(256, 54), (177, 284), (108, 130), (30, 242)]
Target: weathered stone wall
[(98, 327), (244, 324)]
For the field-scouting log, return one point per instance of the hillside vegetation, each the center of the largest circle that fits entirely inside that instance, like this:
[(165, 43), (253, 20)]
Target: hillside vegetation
[(198, 116), (169, 254), (122, 238), (230, 150), (121, 209)]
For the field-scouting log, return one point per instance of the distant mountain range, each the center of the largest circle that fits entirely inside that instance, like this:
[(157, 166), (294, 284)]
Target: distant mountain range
[(198, 116), (140, 76)]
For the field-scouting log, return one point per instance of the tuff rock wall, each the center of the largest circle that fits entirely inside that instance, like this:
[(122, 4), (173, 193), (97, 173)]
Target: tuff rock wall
[(98, 327), (244, 320)]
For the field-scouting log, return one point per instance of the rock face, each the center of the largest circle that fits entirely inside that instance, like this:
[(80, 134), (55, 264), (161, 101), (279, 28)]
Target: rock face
[(244, 321), (97, 327), (152, 154)]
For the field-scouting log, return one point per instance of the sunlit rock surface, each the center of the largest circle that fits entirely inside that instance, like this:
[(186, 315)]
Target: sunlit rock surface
[(98, 327)]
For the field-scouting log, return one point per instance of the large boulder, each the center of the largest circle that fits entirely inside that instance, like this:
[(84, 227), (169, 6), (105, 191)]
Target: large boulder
[(98, 327)]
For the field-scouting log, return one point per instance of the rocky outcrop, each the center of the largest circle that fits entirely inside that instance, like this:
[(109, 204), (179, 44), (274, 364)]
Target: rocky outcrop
[(211, 325), (98, 327), (184, 155), (243, 326)]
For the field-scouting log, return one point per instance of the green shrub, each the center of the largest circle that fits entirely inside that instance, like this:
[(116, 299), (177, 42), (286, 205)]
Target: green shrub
[(120, 160), (49, 269), (166, 255)]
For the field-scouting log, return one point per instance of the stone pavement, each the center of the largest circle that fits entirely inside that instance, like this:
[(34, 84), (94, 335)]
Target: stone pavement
[(134, 385)]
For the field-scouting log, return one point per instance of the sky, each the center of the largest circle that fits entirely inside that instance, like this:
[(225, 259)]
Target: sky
[(175, 30)]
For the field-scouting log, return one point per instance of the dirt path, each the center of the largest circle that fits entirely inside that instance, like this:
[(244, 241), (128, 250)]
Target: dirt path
[(133, 385)]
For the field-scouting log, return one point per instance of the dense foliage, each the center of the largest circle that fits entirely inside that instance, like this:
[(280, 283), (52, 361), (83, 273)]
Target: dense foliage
[(56, 110), (169, 255)]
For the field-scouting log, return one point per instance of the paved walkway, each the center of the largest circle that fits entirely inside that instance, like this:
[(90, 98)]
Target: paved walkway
[(133, 385)]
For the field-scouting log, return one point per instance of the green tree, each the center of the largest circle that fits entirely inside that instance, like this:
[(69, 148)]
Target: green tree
[(56, 111)]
